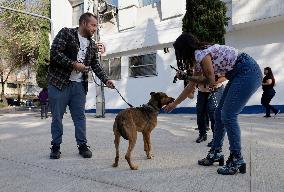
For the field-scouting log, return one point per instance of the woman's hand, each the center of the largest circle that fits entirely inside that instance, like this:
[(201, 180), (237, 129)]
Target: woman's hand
[(168, 108)]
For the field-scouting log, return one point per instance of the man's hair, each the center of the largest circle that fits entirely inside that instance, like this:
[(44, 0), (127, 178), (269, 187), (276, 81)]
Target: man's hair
[(85, 17)]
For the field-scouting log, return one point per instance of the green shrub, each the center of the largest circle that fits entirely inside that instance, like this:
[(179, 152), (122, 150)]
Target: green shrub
[(206, 19)]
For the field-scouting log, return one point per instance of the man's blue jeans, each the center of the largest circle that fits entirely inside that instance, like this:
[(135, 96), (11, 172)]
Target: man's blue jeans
[(244, 80), (74, 96)]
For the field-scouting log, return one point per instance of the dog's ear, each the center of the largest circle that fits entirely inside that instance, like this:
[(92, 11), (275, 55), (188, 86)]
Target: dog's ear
[(152, 93)]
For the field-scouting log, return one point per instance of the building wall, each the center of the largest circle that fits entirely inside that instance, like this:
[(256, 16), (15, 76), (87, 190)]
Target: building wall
[(61, 15), (253, 28), (151, 33), (256, 28), (265, 43), (24, 81)]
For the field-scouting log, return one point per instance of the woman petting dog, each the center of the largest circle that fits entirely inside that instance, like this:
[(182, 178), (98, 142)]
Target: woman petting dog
[(244, 75)]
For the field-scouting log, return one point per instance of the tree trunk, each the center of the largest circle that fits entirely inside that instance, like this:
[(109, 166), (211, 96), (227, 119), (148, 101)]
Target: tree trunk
[(19, 91), (2, 98)]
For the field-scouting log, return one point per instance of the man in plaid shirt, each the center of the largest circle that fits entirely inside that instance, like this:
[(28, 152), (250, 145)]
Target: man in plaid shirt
[(73, 53)]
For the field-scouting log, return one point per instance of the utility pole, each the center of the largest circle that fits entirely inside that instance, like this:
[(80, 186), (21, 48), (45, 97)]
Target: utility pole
[(100, 98)]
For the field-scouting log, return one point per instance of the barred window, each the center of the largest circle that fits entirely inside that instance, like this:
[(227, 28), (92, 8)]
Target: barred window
[(142, 65), (112, 67), (143, 3), (12, 85)]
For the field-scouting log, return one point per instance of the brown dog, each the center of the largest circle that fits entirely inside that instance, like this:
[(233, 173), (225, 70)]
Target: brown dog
[(140, 119)]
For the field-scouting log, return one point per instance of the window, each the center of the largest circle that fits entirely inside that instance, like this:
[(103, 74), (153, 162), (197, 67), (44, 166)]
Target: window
[(30, 87), (113, 68), (143, 3), (12, 85), (78, 10), (142, 65)]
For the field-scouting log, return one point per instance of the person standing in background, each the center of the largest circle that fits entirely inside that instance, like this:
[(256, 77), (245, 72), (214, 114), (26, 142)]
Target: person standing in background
[(268, 83), (207, 102), (43, 98)]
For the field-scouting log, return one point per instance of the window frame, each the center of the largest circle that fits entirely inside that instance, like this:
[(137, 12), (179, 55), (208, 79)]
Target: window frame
[(131, 74), (108, 68)]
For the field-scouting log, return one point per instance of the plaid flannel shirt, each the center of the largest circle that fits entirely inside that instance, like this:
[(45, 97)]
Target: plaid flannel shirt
[(63, 54)]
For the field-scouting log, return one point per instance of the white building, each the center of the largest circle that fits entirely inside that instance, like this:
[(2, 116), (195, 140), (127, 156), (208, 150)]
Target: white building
[(135, 40)]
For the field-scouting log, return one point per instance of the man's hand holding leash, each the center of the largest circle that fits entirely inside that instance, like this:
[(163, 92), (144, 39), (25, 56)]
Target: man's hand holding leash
[(110, 84), (80, 67)]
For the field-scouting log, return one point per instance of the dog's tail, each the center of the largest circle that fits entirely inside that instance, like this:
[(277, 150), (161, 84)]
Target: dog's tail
[(120, 128)]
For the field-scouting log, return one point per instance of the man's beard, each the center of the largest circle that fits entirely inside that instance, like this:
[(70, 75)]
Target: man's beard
[(88, 33)]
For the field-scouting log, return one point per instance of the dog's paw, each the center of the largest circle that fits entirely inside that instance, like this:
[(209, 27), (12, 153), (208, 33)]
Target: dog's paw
[(150, 156), (134, 167), (115, 165)]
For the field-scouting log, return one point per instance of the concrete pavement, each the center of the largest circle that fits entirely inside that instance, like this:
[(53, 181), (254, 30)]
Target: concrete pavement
[(25, 163)]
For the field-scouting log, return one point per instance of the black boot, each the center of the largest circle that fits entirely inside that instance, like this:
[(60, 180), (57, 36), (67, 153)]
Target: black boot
[(55, 152), (84, 151), (201, 138), (214, 155), (234, 164)]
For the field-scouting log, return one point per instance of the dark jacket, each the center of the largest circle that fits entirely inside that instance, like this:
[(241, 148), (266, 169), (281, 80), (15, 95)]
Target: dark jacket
[(63, 54), (43, 96)]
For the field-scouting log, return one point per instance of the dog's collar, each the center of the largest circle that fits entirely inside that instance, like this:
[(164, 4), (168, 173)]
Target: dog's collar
[(151, 108)]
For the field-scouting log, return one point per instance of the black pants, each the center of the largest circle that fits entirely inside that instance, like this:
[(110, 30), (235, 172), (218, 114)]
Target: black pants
[(206, 104), (265, 100)]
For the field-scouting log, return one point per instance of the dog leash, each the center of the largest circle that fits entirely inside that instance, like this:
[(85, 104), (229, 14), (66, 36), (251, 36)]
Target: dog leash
[(123, 98), (115, 89)]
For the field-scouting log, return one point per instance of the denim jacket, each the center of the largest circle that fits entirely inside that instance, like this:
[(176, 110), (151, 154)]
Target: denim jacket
[(63, 54)]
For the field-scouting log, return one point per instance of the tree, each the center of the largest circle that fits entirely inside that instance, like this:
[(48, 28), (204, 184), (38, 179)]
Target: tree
[(23, 38), (206, 19)]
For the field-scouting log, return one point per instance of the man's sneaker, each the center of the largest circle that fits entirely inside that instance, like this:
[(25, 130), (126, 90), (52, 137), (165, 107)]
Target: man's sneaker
[(84, 151), (266, 116), (201, 138), (55, 152)]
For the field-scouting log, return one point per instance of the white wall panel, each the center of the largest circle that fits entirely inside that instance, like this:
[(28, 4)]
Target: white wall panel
[(253, 10), (59, 17), (265, 44), (172, 8), (127, 18), (122, 4)]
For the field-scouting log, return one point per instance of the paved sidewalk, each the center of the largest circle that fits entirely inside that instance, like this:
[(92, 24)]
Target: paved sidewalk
[(25, 163)]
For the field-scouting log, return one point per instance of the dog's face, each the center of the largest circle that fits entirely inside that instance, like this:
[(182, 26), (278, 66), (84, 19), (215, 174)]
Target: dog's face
[(160, 99)]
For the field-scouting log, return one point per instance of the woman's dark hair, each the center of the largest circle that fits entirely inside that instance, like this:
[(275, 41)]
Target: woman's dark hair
[(270, 75), (185, 46)]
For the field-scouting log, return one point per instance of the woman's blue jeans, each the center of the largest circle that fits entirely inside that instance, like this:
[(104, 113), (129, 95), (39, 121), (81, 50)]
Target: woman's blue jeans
[(74, 96), (244, 80)]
